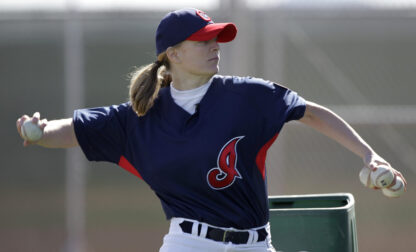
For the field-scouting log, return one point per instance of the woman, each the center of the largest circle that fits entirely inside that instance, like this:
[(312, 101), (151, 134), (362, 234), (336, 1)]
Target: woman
[(199, 139)]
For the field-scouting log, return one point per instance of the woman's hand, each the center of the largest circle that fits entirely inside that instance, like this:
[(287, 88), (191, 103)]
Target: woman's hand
[(35, 119), (373, 160)]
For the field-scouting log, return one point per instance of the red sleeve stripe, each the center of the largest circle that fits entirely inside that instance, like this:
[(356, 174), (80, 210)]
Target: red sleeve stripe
[(261, 156), (125, 164)]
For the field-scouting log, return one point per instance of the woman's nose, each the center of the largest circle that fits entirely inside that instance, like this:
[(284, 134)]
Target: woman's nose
[(215, 45)]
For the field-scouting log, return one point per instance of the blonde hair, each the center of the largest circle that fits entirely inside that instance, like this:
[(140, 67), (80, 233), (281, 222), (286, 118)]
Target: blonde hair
[(146, 82)]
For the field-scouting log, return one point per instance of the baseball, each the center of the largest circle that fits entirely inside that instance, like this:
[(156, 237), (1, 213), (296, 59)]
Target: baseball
[(382, 177), (31, 132), (365, 177), (396, 190)]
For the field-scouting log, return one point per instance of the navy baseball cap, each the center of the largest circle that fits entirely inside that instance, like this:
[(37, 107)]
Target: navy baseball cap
[(191, 24)]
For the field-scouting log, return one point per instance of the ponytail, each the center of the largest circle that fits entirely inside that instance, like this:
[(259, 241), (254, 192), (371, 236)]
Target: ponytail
[(145, 83)]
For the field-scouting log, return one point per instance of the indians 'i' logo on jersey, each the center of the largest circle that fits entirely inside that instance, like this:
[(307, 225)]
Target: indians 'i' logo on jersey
[(226, 172)]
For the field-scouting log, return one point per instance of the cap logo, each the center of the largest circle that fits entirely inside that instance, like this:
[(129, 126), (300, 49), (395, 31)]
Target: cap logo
[(202, 15)]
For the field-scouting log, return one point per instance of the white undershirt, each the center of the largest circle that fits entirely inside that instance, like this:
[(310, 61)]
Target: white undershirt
[(188, 99)]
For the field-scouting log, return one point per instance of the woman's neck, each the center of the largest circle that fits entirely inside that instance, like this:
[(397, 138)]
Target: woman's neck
[(189, 81)]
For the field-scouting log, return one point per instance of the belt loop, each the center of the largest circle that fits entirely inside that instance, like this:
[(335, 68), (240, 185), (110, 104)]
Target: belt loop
[(195, 228), (204, 230), (224, 235), (255, 236), (250, 239)]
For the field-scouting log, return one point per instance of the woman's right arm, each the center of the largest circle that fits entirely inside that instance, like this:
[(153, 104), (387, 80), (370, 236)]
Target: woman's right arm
[(56, 133)]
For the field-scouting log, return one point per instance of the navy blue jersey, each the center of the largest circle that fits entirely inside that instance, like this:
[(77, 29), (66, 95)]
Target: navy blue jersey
[(209, 166)]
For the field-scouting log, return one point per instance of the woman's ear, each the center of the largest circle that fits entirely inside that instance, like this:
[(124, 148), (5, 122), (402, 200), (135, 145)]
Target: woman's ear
[(172, 54)]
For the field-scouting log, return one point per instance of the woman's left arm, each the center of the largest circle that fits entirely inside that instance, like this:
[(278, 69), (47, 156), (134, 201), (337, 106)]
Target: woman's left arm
[(330, 124)]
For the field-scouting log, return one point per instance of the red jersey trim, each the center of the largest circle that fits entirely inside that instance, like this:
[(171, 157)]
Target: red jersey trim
[(261, 156), (125, 164)]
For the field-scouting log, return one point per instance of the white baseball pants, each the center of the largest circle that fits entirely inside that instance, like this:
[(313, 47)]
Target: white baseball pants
[(178, 241)]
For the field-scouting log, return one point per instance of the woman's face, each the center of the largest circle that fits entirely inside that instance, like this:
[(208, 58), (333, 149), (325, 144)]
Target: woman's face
[(198, 57)]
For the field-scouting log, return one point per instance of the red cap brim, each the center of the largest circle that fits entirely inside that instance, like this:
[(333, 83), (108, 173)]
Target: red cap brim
[(224, 32)]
